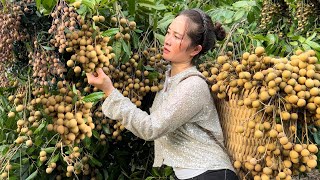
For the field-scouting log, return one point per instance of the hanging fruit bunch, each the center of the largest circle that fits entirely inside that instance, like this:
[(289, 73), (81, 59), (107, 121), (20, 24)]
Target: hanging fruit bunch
[(306, 11), (46, 66), (70, 118), (10, 34), (82, 38), (65, 19), (132, 80), (135, 73), (285, 96), (107, 128), (272, 10), (10, 18)]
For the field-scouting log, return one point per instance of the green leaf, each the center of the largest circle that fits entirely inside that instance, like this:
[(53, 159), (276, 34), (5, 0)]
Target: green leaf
[(83, 10), (117, 50), (150, 178), (49, 4), (312, 36), (48, 48), (89, 3), (87, 142), (148, 68), (95, 162), (244, 4), (260, 37), (153, 75), (49, 150), (158, 7), (74, 90), (95, 134), (40, 127), (251, 17), (4, 149), (38, 3), (105, 173), (125, 47), (93, 97), (168, 171), (306, 47), (164, 23), (132, 7), (55, 158), (110, 32), (125, 58), (33, 175), (294, 43), (301, 39), (272, 38), (313, 45), (278, 120), (38, 141), (106, 129), (238, 15), (135, 39), (155, 172), (138, 31), (160, 38)]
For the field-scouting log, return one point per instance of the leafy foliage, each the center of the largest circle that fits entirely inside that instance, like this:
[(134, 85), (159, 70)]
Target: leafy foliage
[(130, 158)]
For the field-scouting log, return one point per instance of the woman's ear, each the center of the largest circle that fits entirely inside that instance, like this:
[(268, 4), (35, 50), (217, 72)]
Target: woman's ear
[(196, 50)]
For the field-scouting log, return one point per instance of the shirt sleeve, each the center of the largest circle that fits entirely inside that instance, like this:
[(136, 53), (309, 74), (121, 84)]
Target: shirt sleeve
[(182, 104)]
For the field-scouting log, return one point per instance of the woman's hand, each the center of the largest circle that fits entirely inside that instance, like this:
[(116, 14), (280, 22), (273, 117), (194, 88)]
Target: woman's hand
[(102, 81)]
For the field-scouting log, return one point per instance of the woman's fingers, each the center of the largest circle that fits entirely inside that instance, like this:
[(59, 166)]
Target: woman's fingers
[(92, 79), (100, 72)]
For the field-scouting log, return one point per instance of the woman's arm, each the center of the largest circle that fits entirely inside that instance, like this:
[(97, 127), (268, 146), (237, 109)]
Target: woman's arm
[(180, 107)]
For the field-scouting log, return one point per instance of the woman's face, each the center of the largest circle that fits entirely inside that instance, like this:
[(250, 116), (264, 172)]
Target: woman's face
[(176, 42)]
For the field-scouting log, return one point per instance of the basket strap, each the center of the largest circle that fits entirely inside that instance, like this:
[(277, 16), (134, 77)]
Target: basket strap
[(201, 76), (209, 133)]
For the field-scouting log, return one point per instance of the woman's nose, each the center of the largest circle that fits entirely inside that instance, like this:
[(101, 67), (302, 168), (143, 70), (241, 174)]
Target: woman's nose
[(167, 40)]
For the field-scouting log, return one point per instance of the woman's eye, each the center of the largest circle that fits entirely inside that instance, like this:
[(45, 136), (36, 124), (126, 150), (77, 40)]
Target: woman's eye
[(177, 37)]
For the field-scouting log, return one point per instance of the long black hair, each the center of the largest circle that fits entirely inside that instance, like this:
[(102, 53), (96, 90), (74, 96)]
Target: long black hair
[(202, 31)]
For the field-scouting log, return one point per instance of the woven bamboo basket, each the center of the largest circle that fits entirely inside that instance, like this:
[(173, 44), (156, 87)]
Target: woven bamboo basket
[(231, 115)]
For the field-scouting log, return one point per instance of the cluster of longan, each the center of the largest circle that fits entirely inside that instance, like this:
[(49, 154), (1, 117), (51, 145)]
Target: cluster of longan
[(71, 119), (75, 164), (278, 156), (65, 19), (303, 14), (24, 124), (89, 53), (4, 81), (272, 10), (5, 174), (46, 66), (114, 128), (132, 80), (125, 26), (10, 30), (285, 90)]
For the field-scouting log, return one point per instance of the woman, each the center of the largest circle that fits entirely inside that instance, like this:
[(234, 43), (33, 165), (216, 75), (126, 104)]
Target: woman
[(183, 121)]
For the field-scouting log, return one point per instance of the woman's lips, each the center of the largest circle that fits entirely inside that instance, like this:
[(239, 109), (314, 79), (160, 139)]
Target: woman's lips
[(165, 50)]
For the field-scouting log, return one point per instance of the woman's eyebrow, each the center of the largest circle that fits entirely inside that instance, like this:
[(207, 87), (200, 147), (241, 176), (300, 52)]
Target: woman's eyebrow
[(175, 32)]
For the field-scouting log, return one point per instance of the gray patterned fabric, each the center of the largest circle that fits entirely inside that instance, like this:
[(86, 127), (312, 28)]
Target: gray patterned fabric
[(173, 122)]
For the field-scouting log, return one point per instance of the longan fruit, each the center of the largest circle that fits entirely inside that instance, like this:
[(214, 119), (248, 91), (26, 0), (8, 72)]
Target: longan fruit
[(237, 164), (258, 134), (312, 163), (43, 153), (283, 140), (313, 148), (239, 129), (259, 50)]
